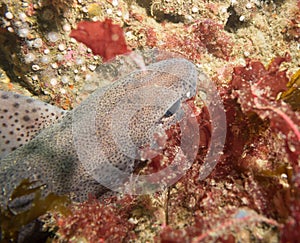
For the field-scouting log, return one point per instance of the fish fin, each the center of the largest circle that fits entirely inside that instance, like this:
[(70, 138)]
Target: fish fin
[(21, 119)]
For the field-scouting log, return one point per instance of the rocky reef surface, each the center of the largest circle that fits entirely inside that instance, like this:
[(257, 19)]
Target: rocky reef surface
[(249, 49)]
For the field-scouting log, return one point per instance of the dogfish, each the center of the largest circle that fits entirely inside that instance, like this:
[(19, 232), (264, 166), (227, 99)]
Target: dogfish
[(68, 150)]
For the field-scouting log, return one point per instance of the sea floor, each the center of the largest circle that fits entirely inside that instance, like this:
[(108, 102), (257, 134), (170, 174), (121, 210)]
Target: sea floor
[(247, 49)]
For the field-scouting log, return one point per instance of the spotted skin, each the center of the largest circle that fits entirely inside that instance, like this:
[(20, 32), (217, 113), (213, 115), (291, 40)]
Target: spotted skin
[(21, 118), (51, 157)]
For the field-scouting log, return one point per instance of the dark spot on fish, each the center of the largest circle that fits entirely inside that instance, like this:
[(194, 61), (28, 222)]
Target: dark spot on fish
[(13, 148), (16, 105), (7, 142), (5, 110), (34, 110), (26, 118), (11, 132), (29, 100), (16, 121), (16, 96), (4, 96), (16, 113), (4, 124)]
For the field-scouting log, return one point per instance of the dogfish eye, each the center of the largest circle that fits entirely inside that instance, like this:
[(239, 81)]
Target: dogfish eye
[(173, 109)]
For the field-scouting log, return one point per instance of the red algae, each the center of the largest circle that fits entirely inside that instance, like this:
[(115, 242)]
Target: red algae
[(95, 221), (257, 89), (204, 36), (104, 38), (213, 37)]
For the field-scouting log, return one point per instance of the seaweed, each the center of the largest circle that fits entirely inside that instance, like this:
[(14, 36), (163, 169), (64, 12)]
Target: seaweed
[(11, 222), (104, 38), (292, 94)]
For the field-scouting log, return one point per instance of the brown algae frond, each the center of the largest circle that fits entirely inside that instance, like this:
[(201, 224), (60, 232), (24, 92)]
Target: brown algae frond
[(11, 222)]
